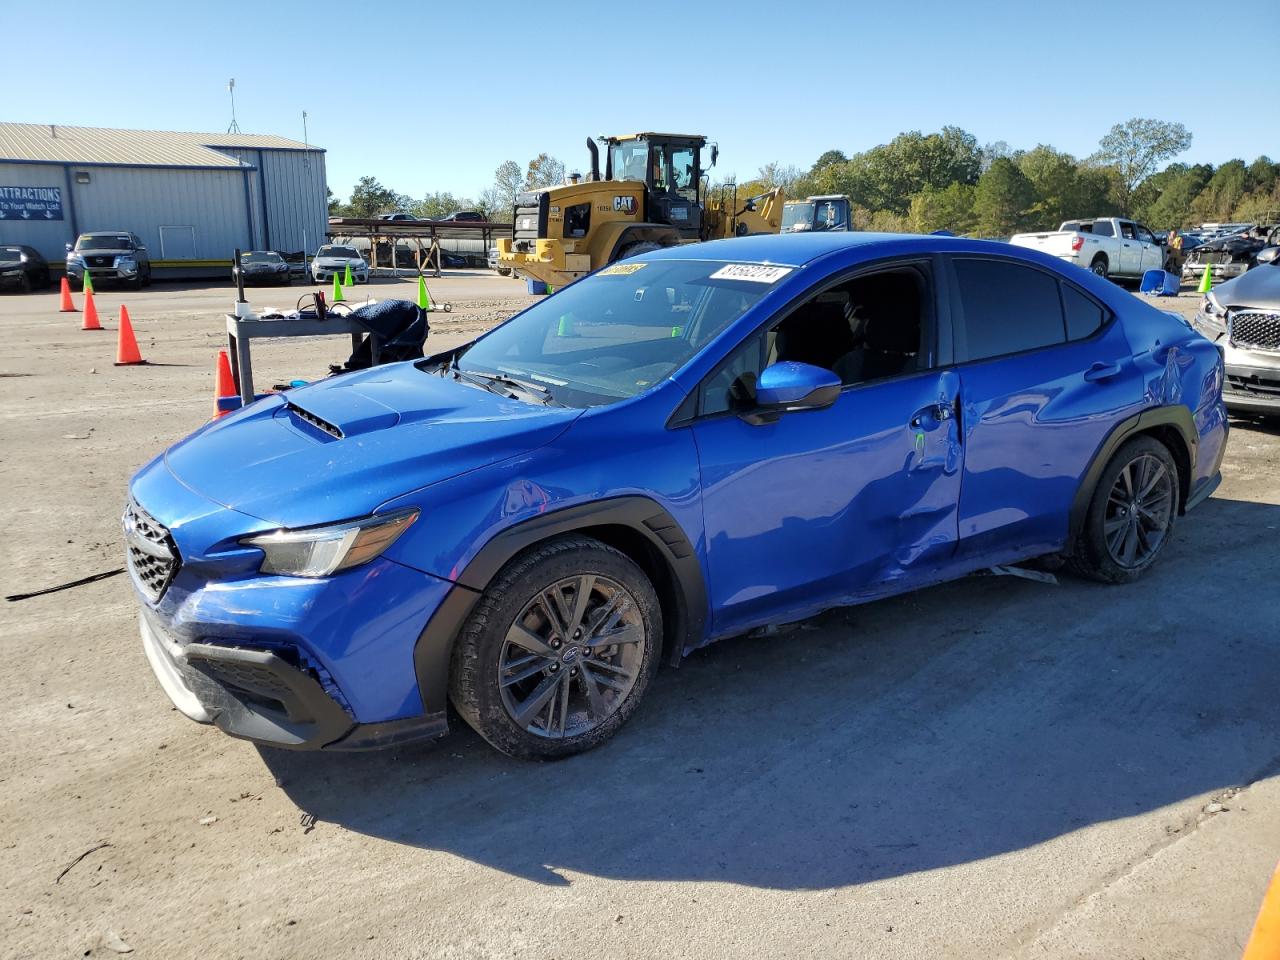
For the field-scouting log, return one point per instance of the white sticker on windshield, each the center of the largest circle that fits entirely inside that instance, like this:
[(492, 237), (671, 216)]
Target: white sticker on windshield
[(754, 272)]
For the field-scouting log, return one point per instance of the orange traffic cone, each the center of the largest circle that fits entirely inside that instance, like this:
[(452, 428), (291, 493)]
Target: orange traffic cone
[(1264, 942), (224, 385), (90, 312), (67, 305), (127, 354)]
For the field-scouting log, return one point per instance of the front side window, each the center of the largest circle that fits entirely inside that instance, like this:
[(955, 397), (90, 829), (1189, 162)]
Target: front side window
[(629, 160), (620, 331), (1006, 308), (872, 327), (682, 172)]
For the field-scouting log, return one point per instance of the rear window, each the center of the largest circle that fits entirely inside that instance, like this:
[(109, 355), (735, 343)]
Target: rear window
[(1008, 308)]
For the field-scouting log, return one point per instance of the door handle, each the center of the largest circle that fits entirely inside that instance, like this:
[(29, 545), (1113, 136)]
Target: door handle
[(1102, 371), (939, 412)]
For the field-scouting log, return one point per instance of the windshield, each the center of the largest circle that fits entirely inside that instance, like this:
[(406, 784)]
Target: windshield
[(796, 216), (629, 160), (618, 332), (104, 243), (347, 252), (255, 257)]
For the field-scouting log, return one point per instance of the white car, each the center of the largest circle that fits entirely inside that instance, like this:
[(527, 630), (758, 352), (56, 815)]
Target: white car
[(1109, 246), (334, 259)]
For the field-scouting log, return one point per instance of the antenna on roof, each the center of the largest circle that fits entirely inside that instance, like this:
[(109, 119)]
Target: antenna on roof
[(231, 89)]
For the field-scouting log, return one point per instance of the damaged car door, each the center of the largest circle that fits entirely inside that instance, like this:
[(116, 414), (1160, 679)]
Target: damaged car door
[(812, 508)]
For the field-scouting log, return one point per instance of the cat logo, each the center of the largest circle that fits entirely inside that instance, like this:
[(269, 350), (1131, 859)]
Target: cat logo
[(624, 204)]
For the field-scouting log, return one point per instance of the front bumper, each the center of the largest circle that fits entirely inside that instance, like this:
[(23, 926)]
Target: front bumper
[(76, 272), (553, 262), (1252, 377), (321, 274), (289, 661), (1221, 271)]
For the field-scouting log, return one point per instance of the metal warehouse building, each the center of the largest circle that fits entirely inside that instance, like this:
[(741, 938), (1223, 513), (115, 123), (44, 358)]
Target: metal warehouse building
[(191, 197)]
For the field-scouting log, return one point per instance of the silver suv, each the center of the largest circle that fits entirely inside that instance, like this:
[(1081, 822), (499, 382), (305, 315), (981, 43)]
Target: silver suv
[(109, 255), (1243, 317)]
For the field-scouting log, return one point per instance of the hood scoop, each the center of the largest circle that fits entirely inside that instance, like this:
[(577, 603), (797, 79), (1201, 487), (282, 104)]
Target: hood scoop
[(340, 413), (324, 426)]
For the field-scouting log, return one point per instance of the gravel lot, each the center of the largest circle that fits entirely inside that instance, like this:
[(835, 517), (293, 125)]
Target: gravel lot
[(992, 768)]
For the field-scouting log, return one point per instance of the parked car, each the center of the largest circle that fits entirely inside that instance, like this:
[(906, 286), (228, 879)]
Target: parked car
[(465, 216), (691, 444), (1271, 250), (333, 259), (1231, 255), (109, 256), (397, 216), (1242, 316), (23, 268), (1109, 246), (496, 264), (261, 266)]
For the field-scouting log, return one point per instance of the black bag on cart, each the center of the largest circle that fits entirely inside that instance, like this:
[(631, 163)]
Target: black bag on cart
[(402, 327)]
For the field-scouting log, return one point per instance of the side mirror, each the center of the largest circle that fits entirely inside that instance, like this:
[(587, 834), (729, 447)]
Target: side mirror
[(788, 387), (1268, 255), (68, 246)]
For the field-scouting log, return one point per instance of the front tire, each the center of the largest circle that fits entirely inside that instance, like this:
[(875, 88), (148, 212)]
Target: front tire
[(635, 249), (559, 650), (1131, 515)]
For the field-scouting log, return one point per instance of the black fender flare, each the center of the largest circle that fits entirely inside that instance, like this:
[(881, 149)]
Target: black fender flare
[(639, 516), (1159, 418)]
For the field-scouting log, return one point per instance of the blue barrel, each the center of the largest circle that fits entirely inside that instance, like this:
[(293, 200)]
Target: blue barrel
[(1160, 283), (535, 287)]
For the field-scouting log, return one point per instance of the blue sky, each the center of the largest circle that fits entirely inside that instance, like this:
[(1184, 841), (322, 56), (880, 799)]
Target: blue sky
[(433, 96)]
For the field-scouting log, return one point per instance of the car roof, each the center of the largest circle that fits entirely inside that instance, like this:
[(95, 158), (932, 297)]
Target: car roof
[(798, 249)]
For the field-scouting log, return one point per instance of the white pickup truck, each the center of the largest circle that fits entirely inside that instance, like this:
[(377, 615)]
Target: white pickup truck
[(1109, 246)]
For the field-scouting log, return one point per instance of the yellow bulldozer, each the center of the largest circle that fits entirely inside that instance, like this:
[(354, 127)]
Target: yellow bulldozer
[(653, 193)]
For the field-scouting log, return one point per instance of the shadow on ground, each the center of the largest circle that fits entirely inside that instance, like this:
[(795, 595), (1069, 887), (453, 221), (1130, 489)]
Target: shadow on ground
[(947, 726)]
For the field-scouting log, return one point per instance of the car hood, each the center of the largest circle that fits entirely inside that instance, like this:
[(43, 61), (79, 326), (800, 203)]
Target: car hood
[(1234, 244), (329, 261), (339, 448), (1259, 287)]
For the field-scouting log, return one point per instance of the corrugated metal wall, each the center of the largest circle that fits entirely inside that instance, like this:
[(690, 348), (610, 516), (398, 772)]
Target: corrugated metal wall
[(141, 199), (48, 236), (279, 205)]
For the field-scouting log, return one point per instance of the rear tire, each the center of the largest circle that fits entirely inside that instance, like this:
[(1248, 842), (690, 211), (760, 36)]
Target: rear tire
[(534, 671), (1131, 516), (1099, 266)]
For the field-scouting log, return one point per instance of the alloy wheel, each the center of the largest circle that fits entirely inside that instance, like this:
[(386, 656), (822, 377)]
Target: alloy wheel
[(571, 657), (1139, 511)]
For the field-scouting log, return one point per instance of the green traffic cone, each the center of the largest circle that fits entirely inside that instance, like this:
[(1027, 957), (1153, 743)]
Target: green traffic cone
[(346, 280), (88, 282), (337, 290), (424, 298), (1206, 282)]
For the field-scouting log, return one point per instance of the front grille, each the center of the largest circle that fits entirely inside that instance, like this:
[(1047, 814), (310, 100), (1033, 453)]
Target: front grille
[(530, 217), (1253, 386), (1254, 329), (1215, 257), (153, 558), (100, 261)]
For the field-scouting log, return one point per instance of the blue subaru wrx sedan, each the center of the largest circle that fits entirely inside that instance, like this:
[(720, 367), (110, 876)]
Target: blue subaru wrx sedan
[(679, 448)]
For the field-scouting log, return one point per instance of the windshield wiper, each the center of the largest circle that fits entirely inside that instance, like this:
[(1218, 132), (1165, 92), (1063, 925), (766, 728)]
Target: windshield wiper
[(489, 380)]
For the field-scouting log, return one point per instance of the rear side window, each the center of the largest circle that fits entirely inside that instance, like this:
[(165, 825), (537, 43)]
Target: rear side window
[(1007, 308), (1102, 228), (1084, 317)]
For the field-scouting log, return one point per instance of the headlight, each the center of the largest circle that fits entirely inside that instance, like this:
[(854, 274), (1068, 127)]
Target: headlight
[(281, 267), (321, 551), (1212, 307), (10, 273), (74, 259), (125, 263)]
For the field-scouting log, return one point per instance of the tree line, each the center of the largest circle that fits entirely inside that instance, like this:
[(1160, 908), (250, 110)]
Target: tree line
[(922, 182)]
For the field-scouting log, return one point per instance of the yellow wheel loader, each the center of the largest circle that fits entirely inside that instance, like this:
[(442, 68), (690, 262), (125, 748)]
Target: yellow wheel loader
[(653, 194)]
